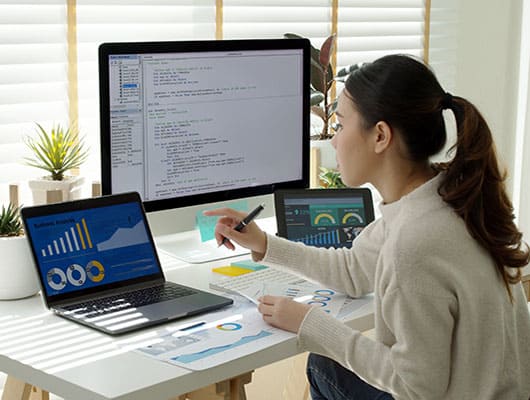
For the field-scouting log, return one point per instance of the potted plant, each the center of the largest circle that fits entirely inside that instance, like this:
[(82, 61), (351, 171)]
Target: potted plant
[(56, 152), (323, 106), (330, 178), (18, 274), (322, 82)]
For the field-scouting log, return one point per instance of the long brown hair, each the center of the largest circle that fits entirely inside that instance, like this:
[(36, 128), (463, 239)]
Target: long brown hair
[(405, 93)]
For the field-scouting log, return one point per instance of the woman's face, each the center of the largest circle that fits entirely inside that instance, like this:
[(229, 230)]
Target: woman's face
[(355, 154)]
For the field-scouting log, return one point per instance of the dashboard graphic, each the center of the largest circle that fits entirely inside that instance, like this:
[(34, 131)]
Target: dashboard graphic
[(332, 222), (83, 249)]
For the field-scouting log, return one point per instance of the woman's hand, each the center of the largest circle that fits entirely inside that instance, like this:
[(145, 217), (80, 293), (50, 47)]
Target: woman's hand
[(250, 237), (283, 312)]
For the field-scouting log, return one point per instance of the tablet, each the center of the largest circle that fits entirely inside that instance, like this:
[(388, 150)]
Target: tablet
[(323, 217)]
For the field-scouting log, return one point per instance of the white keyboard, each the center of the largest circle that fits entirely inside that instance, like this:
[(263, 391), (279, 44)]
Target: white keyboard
[(241, 282)]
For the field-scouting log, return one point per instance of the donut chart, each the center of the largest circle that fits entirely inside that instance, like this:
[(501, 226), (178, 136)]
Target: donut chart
[(76, 274), (53, 282), (229, 326), (95, 265)]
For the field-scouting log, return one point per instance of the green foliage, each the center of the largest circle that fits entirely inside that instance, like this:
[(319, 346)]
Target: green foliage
[(323, 80), (56, 151), (331, 178), (10, 224)]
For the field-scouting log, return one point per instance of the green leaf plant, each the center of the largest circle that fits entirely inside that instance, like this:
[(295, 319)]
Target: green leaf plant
[(322, 81), (331, 178), (10, 224), (56, 151)]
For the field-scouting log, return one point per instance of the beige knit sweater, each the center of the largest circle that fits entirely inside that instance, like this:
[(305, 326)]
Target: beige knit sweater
[(445, 327)]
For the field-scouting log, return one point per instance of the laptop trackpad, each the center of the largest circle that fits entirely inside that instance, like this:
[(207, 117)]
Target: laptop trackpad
[(177, 308)]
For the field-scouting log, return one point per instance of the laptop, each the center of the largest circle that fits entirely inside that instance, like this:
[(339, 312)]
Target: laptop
[(98, 266), (323, 217)]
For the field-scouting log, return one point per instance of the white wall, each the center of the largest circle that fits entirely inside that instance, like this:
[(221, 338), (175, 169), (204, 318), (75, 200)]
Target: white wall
[(487, 71), (487, 66), (522, 148)]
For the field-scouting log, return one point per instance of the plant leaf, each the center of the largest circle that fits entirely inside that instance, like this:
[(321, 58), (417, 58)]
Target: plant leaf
[(325, 51), (319, 111), (56, 151), (317, 76), (316, 98), (10, 224)]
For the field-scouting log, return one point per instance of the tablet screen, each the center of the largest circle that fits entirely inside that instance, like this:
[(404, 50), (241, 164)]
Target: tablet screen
[(323, 217)]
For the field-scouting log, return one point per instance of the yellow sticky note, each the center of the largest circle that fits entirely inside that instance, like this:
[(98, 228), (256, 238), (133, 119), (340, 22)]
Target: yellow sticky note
[(231, 271)]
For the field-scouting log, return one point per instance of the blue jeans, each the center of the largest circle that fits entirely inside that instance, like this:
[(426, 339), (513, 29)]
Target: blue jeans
[(331, 381)]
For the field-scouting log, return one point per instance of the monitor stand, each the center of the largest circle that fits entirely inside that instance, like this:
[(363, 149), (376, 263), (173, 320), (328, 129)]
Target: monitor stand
[(189, 248), (175, 231)]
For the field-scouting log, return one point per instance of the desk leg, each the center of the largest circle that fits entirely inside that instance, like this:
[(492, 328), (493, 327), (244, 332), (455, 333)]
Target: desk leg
[(232, 389), (15, 389), (237, 386), (297, 387)]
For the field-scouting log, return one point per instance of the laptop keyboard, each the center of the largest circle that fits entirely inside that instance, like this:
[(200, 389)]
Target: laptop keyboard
[(138, 298)]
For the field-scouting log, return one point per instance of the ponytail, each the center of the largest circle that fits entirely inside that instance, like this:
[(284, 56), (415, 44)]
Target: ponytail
[(405, 93), (474, 186)]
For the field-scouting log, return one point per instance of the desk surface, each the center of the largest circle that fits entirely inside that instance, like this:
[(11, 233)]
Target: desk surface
[(76, 362)]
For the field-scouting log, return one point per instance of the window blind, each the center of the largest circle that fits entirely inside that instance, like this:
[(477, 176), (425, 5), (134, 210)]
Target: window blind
[(371, 29), (271, 19), (367, 29), (443, 41), (101, 21), (33, 69), (33, 82)]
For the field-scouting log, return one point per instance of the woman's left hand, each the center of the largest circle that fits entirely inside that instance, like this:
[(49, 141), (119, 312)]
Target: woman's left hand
[(283, 312)]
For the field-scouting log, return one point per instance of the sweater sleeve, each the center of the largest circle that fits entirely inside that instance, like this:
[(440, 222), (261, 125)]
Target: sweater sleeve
[(415, 367), (349, 271)]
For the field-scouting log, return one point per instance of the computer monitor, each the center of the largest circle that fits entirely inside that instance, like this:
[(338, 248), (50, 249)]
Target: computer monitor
[(195, 122)]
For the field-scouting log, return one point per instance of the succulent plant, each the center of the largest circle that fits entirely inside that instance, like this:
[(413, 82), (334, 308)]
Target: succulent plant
[(10, 224), (56, 151)]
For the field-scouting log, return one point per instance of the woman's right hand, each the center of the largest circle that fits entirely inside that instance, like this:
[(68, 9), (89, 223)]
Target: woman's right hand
[(250, 237)]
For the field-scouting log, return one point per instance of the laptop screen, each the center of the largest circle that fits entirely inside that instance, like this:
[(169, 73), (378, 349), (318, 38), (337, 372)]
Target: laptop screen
[(93, 247), (323, 217)]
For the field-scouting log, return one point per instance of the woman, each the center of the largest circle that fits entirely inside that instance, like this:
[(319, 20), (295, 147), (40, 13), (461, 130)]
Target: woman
[(444, 261)]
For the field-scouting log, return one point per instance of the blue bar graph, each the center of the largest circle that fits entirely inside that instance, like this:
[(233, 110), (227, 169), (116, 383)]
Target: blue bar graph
[(321, 239)]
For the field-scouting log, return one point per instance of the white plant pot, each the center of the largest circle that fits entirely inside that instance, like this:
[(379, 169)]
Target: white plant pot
[(70, 188), (19, 276)]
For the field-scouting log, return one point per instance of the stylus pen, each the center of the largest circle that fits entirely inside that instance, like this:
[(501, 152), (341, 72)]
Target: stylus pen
[(193, 326), (247, 220)]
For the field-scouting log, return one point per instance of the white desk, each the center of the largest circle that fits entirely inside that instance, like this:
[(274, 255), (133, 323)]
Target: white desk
[(79, 363)]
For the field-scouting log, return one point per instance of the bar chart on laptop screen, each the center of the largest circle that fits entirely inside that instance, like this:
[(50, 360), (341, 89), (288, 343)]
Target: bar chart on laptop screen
[(333, 222), (82, 249)]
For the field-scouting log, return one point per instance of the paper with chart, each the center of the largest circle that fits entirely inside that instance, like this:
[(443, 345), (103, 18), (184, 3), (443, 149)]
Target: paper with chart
[(327, 299), (226, 335), (235, 332)]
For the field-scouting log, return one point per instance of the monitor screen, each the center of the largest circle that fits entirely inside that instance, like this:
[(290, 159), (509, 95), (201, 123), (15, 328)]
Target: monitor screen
[(187, 123)]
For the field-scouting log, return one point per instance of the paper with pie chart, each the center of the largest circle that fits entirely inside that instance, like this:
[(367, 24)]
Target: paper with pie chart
[(328, 300), (231, 335), (223, 335)]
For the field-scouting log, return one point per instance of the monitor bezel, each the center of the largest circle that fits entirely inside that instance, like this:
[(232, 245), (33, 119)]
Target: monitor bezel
[(107, 49)]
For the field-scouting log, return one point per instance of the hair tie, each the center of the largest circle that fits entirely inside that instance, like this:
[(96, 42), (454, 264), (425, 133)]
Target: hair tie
[(447, 101)]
